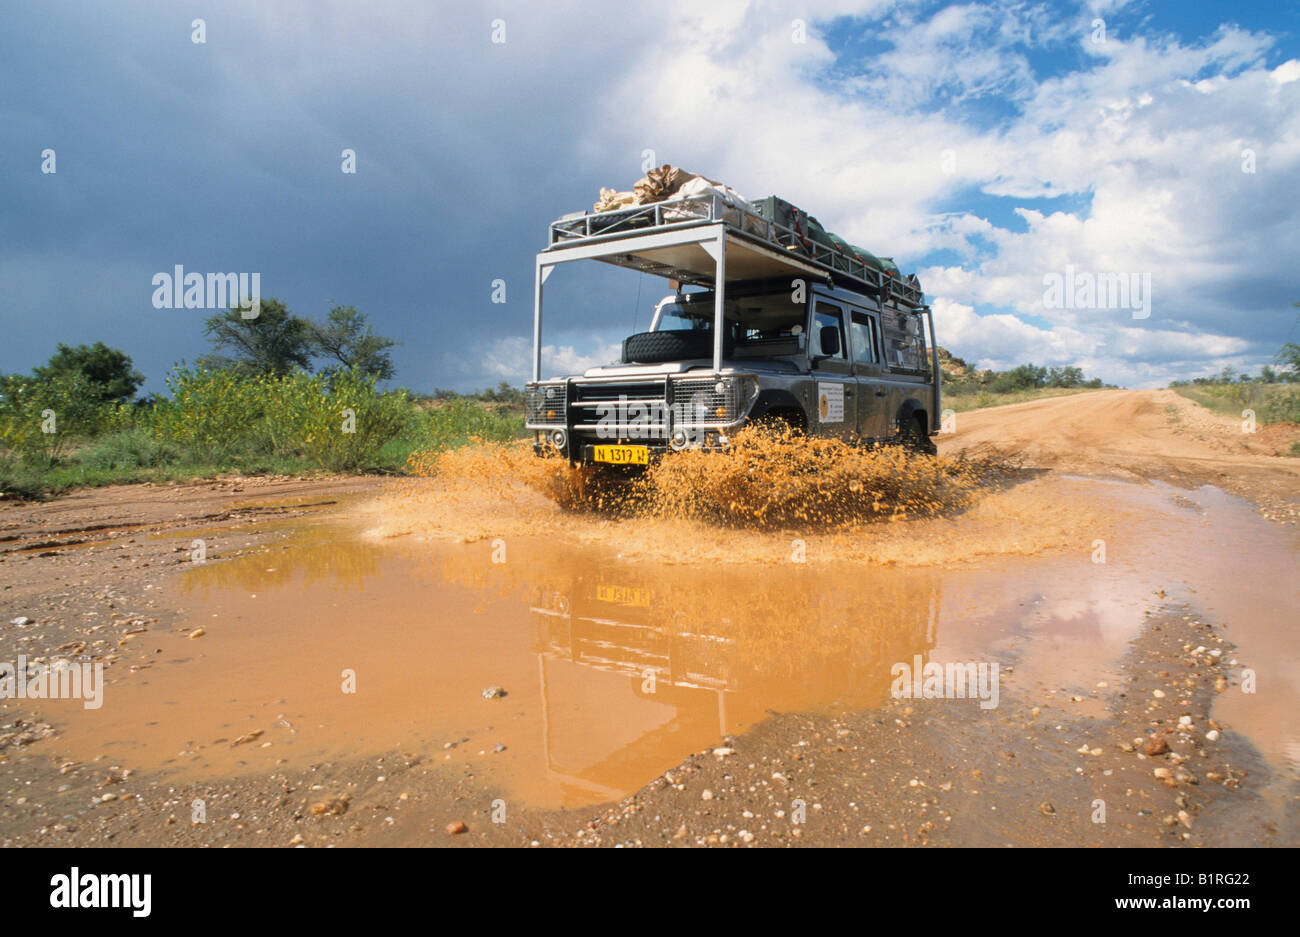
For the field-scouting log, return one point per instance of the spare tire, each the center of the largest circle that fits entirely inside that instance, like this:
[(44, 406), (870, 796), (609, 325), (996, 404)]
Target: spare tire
[(669, 345)]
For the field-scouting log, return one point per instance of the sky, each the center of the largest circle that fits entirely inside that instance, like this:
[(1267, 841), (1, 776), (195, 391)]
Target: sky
[(993, 149)]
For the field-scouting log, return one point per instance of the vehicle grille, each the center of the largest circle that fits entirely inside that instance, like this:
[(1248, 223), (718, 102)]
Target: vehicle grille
[(636, 408), (632, 390), (620, 409)]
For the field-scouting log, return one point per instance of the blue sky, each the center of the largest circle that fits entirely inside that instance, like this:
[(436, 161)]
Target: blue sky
[(984, 146)]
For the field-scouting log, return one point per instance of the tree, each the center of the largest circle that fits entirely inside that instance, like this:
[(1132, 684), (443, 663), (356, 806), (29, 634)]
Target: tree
[(345, 337), (274, 343), (1068, 376), (1023, 377), (1289, 359), (41, 417), (108, 370)]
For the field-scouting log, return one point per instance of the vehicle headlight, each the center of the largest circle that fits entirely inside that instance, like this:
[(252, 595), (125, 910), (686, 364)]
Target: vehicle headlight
[(714, 400), (544, 403)]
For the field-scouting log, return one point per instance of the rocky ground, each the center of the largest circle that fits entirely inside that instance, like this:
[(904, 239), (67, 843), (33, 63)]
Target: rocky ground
[(1155, 771)]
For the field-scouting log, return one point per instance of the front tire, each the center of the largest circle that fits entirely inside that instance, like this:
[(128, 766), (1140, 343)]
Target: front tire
[(913, 436), (781, 421)]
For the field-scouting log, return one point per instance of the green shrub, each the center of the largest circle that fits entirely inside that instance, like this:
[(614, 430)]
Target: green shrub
[(131, 449), (339, 420), (41, 419), (211, 410), (1272, 403), (1281, 404), (457, 421), (218, 420)]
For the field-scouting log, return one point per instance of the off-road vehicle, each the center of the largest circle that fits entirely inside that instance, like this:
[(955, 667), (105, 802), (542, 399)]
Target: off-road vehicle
[(768, 320)]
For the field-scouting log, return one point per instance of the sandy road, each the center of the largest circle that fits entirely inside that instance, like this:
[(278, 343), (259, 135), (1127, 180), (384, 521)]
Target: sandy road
[(1141, 434)]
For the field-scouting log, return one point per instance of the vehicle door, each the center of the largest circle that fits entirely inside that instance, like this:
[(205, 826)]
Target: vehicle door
[(835, 386), (873, 390)]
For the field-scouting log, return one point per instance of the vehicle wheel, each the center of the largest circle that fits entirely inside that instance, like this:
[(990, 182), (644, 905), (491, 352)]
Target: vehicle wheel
[(781, 421), (913, 436)]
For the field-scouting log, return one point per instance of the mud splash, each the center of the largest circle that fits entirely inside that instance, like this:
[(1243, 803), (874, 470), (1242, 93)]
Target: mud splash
[(770, 500), (765, 479)]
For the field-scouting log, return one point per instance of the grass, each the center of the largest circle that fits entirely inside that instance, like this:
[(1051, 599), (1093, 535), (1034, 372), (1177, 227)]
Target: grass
[(963, 399), (140, 454), (131, 457), (444, 425), (1272, 403)]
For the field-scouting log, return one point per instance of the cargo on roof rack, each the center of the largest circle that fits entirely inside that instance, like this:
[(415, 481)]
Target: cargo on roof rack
[(758, 246)]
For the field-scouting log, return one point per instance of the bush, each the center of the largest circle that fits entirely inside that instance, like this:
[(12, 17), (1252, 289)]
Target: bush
[(211, 410), (339, 419), (41, 419), (456, 422), (131, 449), (1272, 403), (1282, 405)]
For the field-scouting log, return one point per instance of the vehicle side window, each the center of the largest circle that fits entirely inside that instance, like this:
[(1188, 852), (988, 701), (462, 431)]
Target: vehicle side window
[(828, 318), (865, 341)]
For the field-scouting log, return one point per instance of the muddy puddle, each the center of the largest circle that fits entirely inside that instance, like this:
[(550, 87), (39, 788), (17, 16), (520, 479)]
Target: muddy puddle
[(370, 632)]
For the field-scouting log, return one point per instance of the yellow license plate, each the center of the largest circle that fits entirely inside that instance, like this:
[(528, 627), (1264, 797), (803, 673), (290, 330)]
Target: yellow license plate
[(622, 455), (623, 595)]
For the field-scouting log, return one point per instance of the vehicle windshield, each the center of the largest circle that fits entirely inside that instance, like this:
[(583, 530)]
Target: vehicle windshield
[(678, 316), (768, 319)]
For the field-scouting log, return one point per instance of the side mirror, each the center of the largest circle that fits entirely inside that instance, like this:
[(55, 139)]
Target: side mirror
[(830, 342)]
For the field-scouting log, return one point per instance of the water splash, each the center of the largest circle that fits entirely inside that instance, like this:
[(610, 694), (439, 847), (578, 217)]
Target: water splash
[(766, 480)]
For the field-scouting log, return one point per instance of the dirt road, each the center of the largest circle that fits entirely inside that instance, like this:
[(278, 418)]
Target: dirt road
[(1143, 434), (293, 662)]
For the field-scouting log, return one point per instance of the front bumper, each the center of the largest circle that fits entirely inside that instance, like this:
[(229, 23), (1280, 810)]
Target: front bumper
[(582, 451), (662, 414)]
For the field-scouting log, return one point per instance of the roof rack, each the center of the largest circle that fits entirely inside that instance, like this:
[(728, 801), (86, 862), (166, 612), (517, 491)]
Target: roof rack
[(834, 265)]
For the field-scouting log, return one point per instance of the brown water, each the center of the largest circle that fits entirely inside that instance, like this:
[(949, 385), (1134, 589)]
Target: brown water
[(617, 664)]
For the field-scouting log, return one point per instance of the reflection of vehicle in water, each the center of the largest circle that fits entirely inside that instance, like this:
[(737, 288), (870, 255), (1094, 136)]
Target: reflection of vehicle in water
[(630, 686)]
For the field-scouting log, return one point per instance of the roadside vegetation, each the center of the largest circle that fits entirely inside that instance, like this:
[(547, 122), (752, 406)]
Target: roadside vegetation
[(967, 388), (255, 405), (1273, 394)]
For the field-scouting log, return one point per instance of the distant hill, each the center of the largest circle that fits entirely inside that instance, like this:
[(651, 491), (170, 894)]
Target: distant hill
[(952, 367), (959, 377)]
